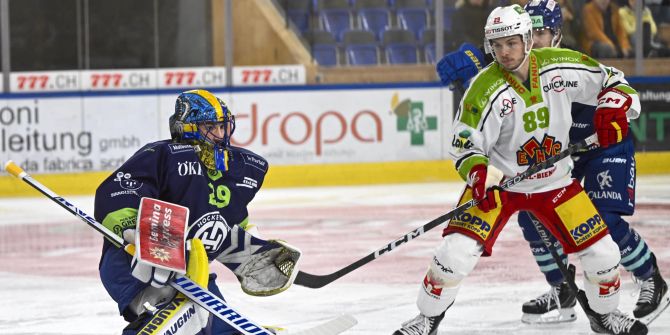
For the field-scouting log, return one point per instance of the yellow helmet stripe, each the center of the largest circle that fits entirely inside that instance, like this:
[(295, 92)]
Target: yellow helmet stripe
[(212, 101)]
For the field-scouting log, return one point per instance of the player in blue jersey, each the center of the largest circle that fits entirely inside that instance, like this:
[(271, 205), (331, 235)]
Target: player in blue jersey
[(200, 170), (609, 180)]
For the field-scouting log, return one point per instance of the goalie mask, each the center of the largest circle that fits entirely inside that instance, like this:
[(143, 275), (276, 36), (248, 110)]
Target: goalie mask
[(509, 21), (546, 14), (204, 121)]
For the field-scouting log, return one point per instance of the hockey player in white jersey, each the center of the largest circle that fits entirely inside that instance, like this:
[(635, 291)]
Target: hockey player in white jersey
[(608, 176), (507, 122)]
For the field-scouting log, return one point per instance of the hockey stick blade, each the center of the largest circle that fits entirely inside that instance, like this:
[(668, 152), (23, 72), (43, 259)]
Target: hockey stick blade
[(196, 293), (318, 281)]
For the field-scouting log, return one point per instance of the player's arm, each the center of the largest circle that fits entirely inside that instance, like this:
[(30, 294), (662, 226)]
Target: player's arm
[(118, 197), (616, 103), (475, 129)]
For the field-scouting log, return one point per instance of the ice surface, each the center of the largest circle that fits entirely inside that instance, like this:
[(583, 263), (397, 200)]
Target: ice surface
[(49, 285)]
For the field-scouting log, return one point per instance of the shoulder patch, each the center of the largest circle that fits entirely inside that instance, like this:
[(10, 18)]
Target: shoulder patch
[(255, 161), (481, 90), (176, 148)]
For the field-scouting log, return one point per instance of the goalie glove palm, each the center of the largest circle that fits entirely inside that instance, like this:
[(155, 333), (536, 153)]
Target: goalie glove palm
[(271, 270)]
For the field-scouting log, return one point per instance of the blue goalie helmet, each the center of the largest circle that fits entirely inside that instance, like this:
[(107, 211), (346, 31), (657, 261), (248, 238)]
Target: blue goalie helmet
[(546, 14), (204, 121)]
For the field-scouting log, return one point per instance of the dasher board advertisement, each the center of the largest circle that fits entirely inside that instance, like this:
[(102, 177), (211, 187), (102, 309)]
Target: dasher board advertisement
[(288, 127)]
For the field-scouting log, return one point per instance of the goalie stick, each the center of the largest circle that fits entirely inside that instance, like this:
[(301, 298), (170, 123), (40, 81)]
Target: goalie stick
[(318, 281), (196, 293)]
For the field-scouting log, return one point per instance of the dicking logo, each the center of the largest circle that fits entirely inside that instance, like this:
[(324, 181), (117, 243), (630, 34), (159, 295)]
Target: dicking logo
[(507, 106)]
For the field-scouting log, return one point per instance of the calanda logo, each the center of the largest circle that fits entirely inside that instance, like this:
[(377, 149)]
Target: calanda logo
[(411, 117)]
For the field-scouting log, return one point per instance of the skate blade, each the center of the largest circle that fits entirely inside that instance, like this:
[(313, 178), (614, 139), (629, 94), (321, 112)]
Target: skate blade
[(560, 316), (665, 301)]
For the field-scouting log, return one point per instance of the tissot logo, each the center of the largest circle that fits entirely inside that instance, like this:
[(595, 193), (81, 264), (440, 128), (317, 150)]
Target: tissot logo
[(558, 84)]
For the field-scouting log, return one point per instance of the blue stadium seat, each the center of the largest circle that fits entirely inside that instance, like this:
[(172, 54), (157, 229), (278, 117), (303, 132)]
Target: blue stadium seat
[(358, 36), (428, 37), (362, 54), (360, 4), (336, 21), (413, 19), (401, 53), (300, 18), (326, 54), (398, 35), (375, 19)]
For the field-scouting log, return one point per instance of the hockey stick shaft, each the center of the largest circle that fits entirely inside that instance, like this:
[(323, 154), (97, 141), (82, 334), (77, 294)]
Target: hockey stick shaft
[(567, 271), (196, 293), (318, 281)]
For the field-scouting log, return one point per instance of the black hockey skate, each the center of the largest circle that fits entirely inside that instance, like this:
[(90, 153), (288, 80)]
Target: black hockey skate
[(616, 323), (421, 325), (654, 297), (560, 298)]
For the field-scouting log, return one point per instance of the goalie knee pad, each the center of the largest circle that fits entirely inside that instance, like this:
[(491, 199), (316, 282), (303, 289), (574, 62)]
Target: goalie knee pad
[(452, 261), (601, 275)]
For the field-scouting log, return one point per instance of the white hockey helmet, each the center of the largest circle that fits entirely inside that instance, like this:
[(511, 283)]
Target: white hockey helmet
[(508, 21)]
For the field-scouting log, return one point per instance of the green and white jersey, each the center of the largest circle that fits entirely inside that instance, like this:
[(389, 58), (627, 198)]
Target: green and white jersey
[(512, 126)]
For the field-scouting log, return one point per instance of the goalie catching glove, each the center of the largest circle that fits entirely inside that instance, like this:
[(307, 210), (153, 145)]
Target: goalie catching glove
[(263, 267), (610, 118)]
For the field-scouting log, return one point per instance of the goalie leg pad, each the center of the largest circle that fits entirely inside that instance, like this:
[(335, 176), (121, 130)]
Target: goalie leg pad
[(179, 317), (452, 261), (600, 262)]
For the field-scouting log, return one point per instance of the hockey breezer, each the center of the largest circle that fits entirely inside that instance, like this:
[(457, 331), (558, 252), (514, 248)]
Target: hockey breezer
[(318, 281)]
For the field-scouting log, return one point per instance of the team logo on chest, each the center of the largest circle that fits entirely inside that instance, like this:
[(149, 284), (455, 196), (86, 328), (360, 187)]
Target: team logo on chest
[(534, 152), (211, 229)]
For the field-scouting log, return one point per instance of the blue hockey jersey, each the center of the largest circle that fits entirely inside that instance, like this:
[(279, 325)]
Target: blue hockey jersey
[(172, 172)]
